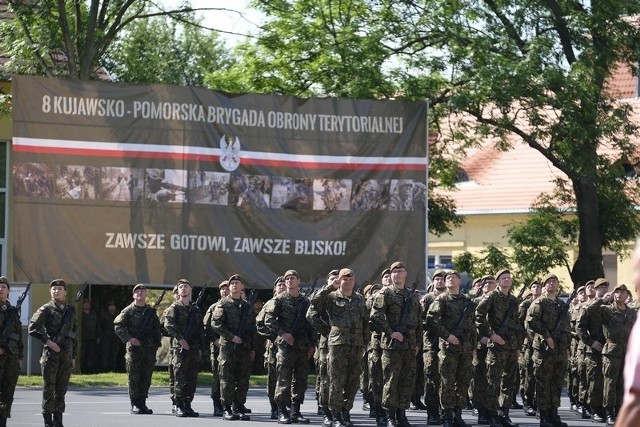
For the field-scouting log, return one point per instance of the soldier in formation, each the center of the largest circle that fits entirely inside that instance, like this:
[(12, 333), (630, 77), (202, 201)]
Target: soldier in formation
[(11, 351)]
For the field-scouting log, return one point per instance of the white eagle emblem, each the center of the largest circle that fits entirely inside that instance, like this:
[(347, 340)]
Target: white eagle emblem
[(229, 154)]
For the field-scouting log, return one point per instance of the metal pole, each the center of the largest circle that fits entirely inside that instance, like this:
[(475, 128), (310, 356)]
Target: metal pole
[(426, 213)]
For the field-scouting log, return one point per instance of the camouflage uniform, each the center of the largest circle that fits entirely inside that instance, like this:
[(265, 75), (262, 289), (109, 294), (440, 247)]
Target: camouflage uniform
[(47, 324), (550, 365), (398, 358), (270, 361), (214, 351), (186, 363), (348, 320), (527, 382), (454, 361), (494, 311), (430, 347), (579, 357), (319, 320), (140, 360), (10, 359), (291, 361), (234, 317)]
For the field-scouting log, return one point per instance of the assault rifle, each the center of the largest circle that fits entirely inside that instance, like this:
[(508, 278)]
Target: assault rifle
[(6, 334), (82, 292), (506, 324), (302, 307), (556, 326), (457, 328), (193, 308), (244, 315), (406, 310), (147, 316)]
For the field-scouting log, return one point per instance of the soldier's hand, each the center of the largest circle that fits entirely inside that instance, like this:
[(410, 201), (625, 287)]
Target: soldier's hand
[(397, 336), (184, 344), (53, 346), (550, 343), (134, 341), (288, 338), (596, 346), (20, 363), (73, 363), (497, 339), (453, 340), (236, 340), (484, 340)]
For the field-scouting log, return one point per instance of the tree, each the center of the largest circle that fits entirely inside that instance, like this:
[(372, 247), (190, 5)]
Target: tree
[(537, 70)]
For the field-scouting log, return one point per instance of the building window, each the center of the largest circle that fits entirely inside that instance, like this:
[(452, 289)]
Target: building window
[(440, 261)]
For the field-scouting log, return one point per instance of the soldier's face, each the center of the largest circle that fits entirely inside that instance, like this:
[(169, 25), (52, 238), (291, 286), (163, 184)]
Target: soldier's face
[(386, 279), (620, 296), (536, 290), (398, 276), (589, 291), (504, 282), (293, 284), (184, 290), (279, 288), (236, 288), (224, 291), (58, 293), (4, 292), (552, 285), (601, 290), (140, 295), (489, 286), (453, 283), (581, 296), (438, 282), (346, 284)]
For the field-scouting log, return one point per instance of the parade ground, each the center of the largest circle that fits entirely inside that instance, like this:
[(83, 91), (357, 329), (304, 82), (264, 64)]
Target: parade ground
[(109, 407)]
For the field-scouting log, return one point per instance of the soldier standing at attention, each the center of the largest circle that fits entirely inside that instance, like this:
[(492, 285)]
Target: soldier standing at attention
[(54, 324), (183, 322), (451, 316), (233, 320), (286, 320), (496, 318), (11, 355), (218, 409), (550, 349), (376, 383), (399, 344), (348, 321), (527, 382), (138, 327)]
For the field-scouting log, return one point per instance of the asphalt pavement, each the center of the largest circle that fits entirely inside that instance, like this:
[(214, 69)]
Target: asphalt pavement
[(109, 407)]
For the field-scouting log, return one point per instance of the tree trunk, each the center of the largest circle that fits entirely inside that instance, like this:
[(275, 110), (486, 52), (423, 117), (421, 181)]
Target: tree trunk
[(588, 265)]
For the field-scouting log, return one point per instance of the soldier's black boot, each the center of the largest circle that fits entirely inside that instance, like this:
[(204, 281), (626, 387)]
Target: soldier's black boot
[(598, 415), (48, 420), (238, 409), (218, 409), (327, 418), (447, 419), (190, 412), (433, 416), (483, 417), (346, 418), (457, 418), (611, 419), (143, 407), (229, 415), (57, 419), (283, 415), (274, 410), (545, 418), (586, 412), (3, 421), (135, 407), (181, 410), (391, 418), (381, 417), (401, 418), (555, 418), (174, 407), (494, 419), (296, 416), (504, 418), (337, 419)]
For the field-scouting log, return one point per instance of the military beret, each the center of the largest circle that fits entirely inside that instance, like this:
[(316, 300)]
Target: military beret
[(367, 289), (395, 265), (280, 279), (621, 287), (223, 284), (590, 282), (439, 273), (535, 282), (175, 290), (477, 282), (487, 278), (526, 294), (235, 277), (333, 272), (385, 271), (452, 273), (58, 282), (601, 282), (501, 272), (346, 272), (4, 280), (580, 289), (184, 282), (291, 273), (139, 286), (548, 277)]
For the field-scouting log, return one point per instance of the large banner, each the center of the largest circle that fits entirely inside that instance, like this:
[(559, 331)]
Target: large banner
[(120, 184)]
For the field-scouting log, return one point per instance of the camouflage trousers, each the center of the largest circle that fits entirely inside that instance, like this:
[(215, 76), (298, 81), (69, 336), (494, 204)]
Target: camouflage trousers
[(234, 368), (186, 365), (364, 378), (549, 369), (479, 384), (9, 371), (215, 373), (502, 376), (344, 367), (455, 369), (322, 375), (398, 373), (56, 371), (272, 371), (612, 368), (527, 380), (595, 378), (376, 383), (293, 368), (140, 362), (431, 379)]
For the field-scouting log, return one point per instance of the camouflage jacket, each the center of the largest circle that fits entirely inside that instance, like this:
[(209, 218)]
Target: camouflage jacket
[(617, 325), (11, 328), (541, 319), (287, 314), (180, 325), (386, 314), (234, 317), (430, 339), (590, 324), (129, 322), (348, 318), (445, 312), (492, 313), (47, 324)]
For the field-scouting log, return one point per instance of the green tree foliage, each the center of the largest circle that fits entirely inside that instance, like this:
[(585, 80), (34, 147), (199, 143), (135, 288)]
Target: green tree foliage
[(534, 70)]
